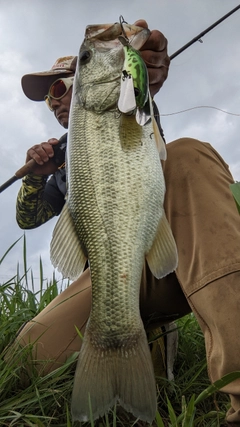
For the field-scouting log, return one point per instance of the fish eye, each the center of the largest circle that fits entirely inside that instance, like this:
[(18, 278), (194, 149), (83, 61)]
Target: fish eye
[(85, 56)]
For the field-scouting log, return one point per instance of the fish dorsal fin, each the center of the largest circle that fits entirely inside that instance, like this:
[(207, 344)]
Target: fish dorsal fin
[(162, 258), (65, 250)]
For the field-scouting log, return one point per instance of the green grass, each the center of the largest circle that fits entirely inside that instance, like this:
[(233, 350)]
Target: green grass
[(27, 399)]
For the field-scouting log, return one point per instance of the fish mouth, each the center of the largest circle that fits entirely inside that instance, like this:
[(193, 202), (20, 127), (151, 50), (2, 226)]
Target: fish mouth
[(108, 87), (99, 83), (115, 79), (107, 35)]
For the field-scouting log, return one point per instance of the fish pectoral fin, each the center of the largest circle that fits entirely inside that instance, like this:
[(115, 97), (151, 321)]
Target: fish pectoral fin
[(163, 258), (66, 252), (107, 375)]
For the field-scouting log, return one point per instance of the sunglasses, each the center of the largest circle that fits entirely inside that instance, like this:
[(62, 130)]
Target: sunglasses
[(58, 90)]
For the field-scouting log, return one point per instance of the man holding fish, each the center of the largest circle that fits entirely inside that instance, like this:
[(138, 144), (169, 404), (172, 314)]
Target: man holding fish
[(199, 208)]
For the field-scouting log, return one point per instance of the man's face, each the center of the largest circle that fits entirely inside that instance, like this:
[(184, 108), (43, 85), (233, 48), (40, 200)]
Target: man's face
[(59, 97), (61, 108)]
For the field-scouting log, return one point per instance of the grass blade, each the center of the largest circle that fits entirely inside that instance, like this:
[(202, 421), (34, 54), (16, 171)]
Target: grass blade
[(159, 420), (9, 249), (217, 385)]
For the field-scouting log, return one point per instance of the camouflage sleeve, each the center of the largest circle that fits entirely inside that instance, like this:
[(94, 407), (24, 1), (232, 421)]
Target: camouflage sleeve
[(32, 208)]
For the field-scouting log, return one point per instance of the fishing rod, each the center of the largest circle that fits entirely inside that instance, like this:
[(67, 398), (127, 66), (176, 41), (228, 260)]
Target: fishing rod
[(199, 36), (59, 149), (235, 188)]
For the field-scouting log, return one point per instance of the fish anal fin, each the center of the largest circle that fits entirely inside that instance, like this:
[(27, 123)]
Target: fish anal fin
[(163, 258), (106, 376), (66, 252)]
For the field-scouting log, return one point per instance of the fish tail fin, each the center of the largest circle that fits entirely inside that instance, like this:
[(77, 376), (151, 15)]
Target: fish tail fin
[(105, 376)]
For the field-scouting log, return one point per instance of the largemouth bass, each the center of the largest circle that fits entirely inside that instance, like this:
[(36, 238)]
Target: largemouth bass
[(114, 217)]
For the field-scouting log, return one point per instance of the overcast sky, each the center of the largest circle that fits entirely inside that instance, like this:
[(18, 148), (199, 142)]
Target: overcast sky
[(35, 33)]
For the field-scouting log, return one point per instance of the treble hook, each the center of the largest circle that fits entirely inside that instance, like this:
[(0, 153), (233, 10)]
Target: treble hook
[(122, 20), (124, 39)]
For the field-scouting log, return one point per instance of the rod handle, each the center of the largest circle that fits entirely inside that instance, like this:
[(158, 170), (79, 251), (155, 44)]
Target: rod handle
[(25, 169)]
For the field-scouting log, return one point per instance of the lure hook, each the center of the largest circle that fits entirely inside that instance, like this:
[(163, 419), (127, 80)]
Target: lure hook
[(122, 21)]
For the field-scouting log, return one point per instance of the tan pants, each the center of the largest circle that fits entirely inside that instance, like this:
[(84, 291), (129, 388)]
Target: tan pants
[(206, 225)]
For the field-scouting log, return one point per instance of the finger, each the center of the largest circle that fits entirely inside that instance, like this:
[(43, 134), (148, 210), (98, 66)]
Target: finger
[(141, 23), (156, 42), (155, 59), (40, 153), (53, 141), (46, 151), (50, 151), (157, 77), (47, 168)]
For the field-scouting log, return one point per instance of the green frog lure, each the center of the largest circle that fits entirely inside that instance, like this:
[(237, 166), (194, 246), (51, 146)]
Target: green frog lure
[(135, 97), (134, 90)]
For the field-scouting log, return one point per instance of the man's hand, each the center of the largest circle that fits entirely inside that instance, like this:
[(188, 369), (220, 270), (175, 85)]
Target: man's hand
[(43, 154), (154, 53)]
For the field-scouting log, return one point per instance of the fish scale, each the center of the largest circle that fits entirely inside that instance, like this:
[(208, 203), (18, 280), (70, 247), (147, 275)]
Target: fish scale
[(115, 218)]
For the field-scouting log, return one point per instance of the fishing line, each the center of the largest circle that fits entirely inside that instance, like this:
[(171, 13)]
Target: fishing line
[(197, 107), (199, 39)]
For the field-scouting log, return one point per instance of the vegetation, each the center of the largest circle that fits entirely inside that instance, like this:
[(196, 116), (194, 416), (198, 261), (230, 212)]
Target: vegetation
[(27, 399)]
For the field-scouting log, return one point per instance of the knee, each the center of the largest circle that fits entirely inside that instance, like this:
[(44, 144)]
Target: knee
[(186, 148), (184, 161)]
